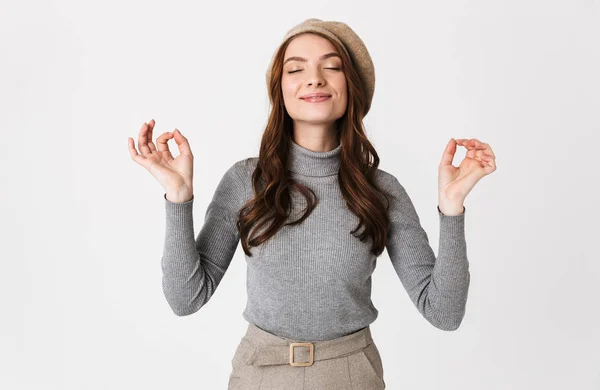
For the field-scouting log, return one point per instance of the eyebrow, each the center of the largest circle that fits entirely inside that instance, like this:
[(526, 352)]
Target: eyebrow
[(323, 57)]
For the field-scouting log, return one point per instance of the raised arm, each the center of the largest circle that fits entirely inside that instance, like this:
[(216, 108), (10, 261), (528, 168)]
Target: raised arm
[(193, 268), (438, 287)]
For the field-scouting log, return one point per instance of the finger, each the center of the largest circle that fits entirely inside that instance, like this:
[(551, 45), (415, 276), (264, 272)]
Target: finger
[(472, 151), (479, 145), (477, 150), (163, 146), (482, 153), (473, 144), (465, 143), (491, 162), (485, 148), (449, 152), (468, 143), (150, 129), (182, 143), (489, 151), (138, 158), (143, 140), (488, 163)]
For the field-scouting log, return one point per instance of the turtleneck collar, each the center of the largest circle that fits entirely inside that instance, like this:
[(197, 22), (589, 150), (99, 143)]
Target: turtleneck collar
[(310, 163)]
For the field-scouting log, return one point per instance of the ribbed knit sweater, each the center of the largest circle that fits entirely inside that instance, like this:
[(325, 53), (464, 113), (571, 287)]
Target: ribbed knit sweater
[(312, 281)]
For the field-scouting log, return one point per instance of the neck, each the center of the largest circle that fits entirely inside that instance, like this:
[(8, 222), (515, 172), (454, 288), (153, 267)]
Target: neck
[(310, 163)]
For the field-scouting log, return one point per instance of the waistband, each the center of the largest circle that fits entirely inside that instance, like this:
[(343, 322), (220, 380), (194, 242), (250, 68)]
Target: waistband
[(270, 349)]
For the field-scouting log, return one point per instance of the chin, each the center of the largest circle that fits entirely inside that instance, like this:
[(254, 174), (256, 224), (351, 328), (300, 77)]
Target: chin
[(316, 118), (322, 113)]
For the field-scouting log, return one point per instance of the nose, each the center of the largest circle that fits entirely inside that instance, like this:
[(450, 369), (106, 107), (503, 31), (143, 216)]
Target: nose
[(315, 81), (315, 78)]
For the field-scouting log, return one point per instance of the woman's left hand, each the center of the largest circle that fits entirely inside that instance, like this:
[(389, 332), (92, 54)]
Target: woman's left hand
[(454, 183)]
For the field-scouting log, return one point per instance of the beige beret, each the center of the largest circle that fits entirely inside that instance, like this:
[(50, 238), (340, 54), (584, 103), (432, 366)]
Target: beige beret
[(349, 40)]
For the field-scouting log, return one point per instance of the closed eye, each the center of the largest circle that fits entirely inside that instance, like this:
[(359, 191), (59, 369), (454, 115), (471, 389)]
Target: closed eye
[(294, 71)]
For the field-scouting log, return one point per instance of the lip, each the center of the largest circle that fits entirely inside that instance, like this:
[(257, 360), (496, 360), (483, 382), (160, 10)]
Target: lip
[(315, 94), (318, 99)]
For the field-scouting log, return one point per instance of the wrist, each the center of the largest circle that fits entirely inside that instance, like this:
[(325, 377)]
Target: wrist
[(450, 209), (178, 198)]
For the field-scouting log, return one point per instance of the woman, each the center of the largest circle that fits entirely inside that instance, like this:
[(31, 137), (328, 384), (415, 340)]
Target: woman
[(298, 209)]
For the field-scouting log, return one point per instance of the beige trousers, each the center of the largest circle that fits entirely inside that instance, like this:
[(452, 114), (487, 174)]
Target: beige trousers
[(264, 361)]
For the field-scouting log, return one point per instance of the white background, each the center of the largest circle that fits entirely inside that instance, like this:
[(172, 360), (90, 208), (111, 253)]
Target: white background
[(83, 225)]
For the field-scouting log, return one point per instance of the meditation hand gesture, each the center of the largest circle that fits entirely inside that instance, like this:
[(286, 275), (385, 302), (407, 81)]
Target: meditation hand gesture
[(454, 183), (174, 174)]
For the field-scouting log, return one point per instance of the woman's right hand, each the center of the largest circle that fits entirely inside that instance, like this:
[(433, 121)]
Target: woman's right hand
[(174, 174)]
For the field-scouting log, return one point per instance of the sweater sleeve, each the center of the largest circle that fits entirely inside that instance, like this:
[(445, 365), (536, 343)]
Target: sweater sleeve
[(192, 269), (438, 287)]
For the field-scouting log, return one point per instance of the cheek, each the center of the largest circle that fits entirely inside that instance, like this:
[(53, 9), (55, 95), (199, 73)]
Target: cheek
[(288, 86), (341, 87)]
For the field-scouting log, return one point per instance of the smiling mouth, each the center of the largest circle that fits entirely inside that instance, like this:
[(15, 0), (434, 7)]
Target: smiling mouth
[(316, 99)]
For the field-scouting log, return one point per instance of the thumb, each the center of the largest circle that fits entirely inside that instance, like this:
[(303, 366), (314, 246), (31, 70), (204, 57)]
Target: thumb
[(449, 152), (182, 143)]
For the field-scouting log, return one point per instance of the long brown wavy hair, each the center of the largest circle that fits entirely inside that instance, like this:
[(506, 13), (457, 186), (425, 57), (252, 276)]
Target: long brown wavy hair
[(270, 207)]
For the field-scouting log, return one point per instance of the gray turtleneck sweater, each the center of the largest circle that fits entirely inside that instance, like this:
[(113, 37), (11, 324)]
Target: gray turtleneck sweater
[(313, 281)]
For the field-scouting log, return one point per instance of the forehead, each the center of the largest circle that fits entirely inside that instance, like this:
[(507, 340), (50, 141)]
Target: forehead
[(310, 46)]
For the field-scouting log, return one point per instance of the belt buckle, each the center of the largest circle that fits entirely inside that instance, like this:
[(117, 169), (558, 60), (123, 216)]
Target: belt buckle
[(302, 364)]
